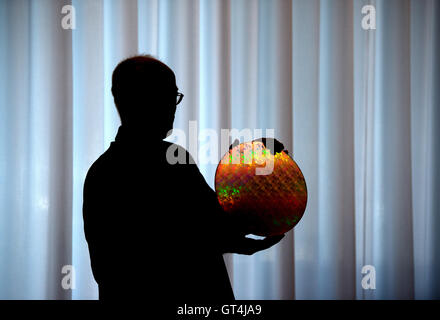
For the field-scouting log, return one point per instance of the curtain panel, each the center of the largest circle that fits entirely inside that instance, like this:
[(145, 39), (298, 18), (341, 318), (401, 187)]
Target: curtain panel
[(358, 109)]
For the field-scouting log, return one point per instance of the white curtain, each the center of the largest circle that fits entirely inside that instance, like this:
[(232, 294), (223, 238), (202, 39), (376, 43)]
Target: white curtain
[(358, 109)]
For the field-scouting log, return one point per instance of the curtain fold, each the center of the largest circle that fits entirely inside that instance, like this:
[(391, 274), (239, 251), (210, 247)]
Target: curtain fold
[(358, 110), (425, 129), (89, 123), (335, 152), (36, 150)]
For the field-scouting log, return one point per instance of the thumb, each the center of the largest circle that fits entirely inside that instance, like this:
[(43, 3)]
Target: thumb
[(234, 144)]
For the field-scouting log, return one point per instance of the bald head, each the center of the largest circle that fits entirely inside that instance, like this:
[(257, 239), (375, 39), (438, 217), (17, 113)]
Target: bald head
[(144, 90)]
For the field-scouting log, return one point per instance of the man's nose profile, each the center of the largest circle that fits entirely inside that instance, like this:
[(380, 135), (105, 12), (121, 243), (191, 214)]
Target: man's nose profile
[(152, 227)]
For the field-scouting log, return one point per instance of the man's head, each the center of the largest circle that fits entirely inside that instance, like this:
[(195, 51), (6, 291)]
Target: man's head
[(144, 90)]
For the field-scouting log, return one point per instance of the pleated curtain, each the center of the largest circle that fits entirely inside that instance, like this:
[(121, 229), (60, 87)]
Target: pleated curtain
[(359, 111)]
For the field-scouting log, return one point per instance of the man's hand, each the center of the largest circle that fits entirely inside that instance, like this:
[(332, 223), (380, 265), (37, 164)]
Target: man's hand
[(240, 243)]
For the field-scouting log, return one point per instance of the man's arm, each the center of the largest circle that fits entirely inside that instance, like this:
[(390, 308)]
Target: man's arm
[(232, 233), (91, 221), (227, 233)]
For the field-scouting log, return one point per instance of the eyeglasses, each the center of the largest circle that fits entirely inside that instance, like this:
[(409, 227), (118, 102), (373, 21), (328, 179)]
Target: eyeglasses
[(179, 98)]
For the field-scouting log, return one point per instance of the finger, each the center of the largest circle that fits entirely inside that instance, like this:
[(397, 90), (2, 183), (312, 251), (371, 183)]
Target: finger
[(235, 143)]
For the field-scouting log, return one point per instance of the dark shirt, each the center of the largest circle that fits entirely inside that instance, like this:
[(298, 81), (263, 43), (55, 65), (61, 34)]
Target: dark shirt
[(153, 229)]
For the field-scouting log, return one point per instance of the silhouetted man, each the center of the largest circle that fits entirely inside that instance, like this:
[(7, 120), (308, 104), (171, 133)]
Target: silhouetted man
[(153, 228)]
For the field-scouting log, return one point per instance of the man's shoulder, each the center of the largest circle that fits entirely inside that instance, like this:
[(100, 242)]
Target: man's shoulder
[(115, 159), (176, 154), (167, 145), (100, 165)]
